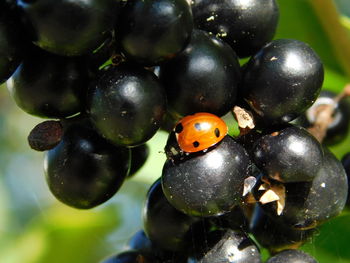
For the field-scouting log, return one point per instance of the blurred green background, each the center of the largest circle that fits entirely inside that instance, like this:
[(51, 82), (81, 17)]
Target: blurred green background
[(36, 228)]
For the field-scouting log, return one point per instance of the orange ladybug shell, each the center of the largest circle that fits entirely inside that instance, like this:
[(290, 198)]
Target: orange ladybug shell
[(199, 131)]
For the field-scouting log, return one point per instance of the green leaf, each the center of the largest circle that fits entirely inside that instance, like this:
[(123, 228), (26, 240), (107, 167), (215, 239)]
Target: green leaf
[(63, 234), (334, 81), (331, 244), (298, 21)]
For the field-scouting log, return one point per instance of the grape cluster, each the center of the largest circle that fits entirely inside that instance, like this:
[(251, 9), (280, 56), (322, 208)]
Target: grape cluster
[(109, 74)]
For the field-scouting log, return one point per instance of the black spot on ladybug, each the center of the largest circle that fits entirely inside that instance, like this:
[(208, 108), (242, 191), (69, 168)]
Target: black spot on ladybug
[(197, 126), (217, 132), (195, 144), (179, 128)]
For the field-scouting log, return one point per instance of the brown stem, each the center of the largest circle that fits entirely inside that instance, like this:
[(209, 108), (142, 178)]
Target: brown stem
[(325, 115), (244, 119)]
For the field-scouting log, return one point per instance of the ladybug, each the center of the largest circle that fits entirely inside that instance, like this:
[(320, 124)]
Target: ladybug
[(199, 131)]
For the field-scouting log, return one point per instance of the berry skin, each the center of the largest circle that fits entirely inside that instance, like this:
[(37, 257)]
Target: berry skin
[(210, 183), (140, 242), (202, 78), (199, 131), (127, 104), (49, 86), (245, 25), (12, 42), (223, 246), (275, 236), (165, 226), (290, 154), (139, 156), (70, 28), (292, 256), (309, 204), (282, 80), (154, 30), (346, 164), (84, 170), (236, 219)]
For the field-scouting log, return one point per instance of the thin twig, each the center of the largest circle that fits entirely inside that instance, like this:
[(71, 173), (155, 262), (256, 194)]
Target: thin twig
[(325, 115)]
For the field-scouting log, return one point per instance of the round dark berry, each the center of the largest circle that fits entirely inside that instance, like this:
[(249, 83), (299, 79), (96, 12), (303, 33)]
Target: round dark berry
[(275, 236), (309, 204), (141, 242), (69, 27), (12, 42), (139, 156), (169, 122), (127, 105), (166, 226), (202, 78), (84, 170), (288, 155), (152, 31), (282, 80), (225, 246), (236, 219), (245, 25), (207, 183), (49, 86), (248, 140), (292, 256)]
